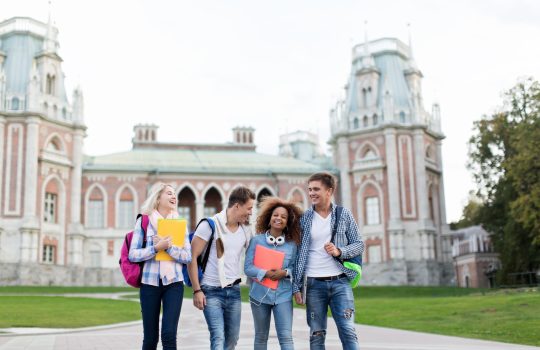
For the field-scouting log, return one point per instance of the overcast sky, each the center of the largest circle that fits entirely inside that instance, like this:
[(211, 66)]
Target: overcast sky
[(198, 68)]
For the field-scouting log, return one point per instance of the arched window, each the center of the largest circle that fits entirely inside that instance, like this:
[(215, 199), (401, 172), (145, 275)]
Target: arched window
[(126, 207), (96, 209), (212, 202), (15, 103), (372, 211), (368, 97), (365, 121), (364, 98), (356, 123), (186, 207), (375, 119), (262, 194), (95, 255), (50, 84), (369, 154), (298, 199), (402, 117), (64, 113), (250, 138)]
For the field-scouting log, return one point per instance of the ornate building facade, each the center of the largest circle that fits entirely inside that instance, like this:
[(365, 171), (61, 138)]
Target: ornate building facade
[(387, 148), (63, 215)]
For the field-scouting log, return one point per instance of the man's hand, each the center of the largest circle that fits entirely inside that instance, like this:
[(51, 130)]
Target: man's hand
[(199, 300), (298, 298), (332, 249)]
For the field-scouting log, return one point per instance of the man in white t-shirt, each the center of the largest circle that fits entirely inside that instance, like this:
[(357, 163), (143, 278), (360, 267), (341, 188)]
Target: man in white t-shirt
[(320, 260), (218, 292)]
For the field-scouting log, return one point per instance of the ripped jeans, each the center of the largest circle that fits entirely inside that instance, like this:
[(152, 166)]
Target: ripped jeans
[(339, 296)]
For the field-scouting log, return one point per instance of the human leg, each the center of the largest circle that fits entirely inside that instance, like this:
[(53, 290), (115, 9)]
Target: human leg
[(261, 318), (283, 320), (150, 298), (342, 306), (172, 305)]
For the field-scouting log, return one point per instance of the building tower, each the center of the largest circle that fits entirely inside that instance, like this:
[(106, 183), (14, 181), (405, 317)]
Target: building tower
[(41, 157), (388, 151)]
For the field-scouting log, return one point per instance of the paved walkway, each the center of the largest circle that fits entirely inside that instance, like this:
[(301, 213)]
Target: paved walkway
[(193, 334)]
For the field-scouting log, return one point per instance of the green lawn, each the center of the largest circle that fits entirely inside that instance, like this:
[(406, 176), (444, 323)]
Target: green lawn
[(60, 312), (501, 315)]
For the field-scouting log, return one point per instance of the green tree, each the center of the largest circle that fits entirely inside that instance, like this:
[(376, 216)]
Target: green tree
[(505, 160), (470, 215)]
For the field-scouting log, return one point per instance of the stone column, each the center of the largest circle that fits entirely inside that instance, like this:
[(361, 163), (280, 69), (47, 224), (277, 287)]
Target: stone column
[(344, 167), (75, 228), (442, 203), (395, 226), (421, 185), (31, 169), (199, 209), (2, 132)]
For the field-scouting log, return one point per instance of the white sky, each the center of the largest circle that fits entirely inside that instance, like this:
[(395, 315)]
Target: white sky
[(198, 68)]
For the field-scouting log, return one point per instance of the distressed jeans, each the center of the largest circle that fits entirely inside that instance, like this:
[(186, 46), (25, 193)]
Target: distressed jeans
[(283, 313), (339, 296), (222, 313)]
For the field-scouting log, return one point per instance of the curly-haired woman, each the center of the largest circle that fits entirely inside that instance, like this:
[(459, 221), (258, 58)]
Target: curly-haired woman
[(278, 228)]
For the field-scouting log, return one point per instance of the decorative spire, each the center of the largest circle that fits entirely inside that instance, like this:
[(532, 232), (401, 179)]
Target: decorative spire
[(49, 44), (366, 42), (412, 62), (367, 61)]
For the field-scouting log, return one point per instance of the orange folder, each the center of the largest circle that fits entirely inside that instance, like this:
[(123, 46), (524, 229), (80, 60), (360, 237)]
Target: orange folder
[(174, 228), (268, 259)]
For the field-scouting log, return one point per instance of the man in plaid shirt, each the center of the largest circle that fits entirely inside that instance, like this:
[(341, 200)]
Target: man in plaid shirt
[(327, 280)]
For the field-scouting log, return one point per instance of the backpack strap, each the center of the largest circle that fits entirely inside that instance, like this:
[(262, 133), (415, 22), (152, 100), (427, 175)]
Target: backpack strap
[(338, 216), (144, 226), (204, 260)]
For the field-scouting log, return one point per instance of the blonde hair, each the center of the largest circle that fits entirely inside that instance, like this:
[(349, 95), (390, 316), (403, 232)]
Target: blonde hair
[(151, 203)]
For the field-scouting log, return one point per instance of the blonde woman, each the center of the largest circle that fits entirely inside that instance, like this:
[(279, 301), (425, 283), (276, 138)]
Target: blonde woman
[(162, 281)]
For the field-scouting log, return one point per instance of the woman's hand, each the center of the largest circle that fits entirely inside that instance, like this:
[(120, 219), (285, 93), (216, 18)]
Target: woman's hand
[(276, 275), (161, 243)]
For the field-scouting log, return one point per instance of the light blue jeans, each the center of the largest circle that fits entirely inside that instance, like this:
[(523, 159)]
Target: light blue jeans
[(222, 313), (339, 296), (283, 313)]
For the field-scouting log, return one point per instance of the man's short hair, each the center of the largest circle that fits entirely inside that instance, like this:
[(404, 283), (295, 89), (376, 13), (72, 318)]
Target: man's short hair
[(325, 178), (240, 195)]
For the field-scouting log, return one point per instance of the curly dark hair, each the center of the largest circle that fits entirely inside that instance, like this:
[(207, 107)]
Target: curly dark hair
[(267, 207)]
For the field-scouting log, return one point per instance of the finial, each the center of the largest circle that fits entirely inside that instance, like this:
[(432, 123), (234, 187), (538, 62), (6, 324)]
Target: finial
[(366, 48), (410, 39)]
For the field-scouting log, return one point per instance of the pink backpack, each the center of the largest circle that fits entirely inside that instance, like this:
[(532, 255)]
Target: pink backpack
[(133, 271)]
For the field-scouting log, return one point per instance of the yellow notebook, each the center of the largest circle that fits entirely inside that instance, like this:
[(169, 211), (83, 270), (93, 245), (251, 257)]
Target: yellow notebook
[(176, 229)]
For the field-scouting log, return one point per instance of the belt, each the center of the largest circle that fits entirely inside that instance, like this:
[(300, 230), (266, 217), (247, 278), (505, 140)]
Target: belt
[(330, 278), (238, 281)]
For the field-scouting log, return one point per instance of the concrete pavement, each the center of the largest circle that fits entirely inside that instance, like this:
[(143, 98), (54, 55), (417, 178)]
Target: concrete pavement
[(193, 334)]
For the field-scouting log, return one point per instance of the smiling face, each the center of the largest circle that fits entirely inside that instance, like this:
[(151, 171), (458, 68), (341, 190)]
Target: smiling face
[(319, 194), (243, 211), (167, 200), (279, 218)]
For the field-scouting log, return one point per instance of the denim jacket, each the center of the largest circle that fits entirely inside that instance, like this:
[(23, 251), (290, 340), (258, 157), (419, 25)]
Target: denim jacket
[(257, 291)]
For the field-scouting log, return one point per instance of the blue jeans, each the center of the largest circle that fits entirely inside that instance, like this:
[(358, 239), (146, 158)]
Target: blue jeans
[(339, 296), (222, 313), (282, 318), (151, 299)]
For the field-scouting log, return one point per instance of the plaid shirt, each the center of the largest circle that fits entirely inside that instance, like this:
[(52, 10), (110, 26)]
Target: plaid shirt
[(347, 239), (182, 255)]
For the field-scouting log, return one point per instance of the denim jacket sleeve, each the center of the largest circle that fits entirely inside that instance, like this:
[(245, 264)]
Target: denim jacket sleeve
[(181, 255), (249, 269), (136, 252), (292, 263)]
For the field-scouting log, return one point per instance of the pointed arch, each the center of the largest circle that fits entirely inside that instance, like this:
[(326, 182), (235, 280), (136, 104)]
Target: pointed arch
[(187, 204), (53, 200), (126, 207), (57, 141), (95, 210), (295, 194), (366, 147), (214, 199), (360, 198)]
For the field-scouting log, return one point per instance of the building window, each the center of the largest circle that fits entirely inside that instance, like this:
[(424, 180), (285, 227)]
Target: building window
[(95, 258), (209, 211), (125, 214), (95, 214), (374, 254), (14, 103), (49, 212), (356, 123), (49, 254), (365, 122), (375, 119), (185, 213), (50, 84), (364, 98), (402, 117), (372, 211)]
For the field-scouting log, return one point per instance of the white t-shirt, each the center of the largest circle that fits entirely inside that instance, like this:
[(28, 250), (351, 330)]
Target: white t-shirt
[(233, 242), (320, 263)]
